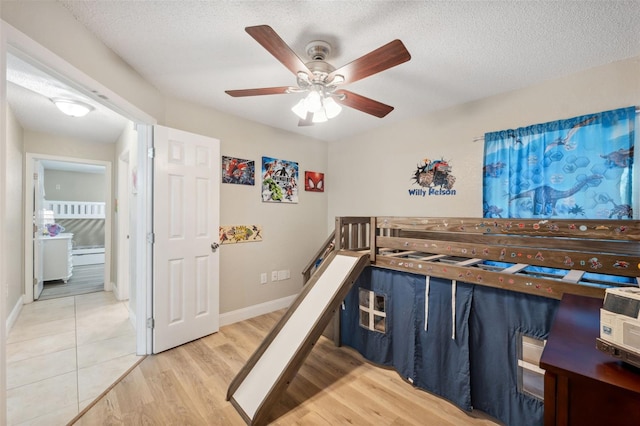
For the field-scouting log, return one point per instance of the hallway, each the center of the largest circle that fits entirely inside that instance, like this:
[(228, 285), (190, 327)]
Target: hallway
[(63, 353)]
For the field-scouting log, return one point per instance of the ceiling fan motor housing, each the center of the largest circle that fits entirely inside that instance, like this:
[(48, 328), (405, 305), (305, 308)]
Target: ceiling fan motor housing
[(318, 50)]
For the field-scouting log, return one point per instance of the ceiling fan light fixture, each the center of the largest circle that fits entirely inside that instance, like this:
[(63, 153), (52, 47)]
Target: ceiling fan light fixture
[(300, 110), (320, 116), (337, 79), (313, 101), (331, 107), (72, 107)]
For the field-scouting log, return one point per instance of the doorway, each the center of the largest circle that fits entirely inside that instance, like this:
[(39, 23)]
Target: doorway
[(71, 231), (59, 233), (20, 350)]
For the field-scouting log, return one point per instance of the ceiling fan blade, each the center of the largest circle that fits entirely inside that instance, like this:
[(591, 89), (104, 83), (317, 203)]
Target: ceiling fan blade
[(385, 57), (270, 40), (308, 121), (257, 92), (364, 104)]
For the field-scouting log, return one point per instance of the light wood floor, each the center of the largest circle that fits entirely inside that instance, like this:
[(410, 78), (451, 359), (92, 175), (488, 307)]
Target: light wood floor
[(187, 386)]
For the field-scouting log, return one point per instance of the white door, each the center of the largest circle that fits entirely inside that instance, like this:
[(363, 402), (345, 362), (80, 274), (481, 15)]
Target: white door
[(38, 229), (186, 208)]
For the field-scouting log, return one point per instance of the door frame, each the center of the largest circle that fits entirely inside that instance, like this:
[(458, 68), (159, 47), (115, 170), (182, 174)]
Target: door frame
[(16, 42), (122, 225), (30, 159)]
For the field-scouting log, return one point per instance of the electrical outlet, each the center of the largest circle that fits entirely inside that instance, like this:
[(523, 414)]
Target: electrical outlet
[(284, 274), (274, 275), (263, 278)]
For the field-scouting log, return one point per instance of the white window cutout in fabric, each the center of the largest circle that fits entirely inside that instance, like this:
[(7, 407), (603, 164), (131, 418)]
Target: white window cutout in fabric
[(530, 375), (373, 312)]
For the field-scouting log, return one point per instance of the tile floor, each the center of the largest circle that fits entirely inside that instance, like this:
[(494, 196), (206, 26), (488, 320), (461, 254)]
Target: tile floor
[(63, 353)]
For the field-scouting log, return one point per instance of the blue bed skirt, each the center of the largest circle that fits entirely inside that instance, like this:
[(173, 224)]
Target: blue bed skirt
[(466, 352)]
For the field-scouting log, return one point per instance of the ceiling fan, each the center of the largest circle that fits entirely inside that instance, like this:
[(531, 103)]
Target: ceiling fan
[(321, 81)]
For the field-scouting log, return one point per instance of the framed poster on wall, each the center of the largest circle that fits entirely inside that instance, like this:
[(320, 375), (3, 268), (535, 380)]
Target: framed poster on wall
[(279, 181), (238, 171), (313, 181)]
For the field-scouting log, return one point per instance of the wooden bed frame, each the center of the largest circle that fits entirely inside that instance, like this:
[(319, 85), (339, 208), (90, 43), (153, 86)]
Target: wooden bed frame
[(463, 248), (76, 209)]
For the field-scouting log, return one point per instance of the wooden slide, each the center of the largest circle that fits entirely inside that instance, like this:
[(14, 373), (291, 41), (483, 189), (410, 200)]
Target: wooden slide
[(267, 373)]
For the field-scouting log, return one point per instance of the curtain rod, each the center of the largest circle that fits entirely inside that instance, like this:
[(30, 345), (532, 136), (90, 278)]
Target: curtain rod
[(481, 138)]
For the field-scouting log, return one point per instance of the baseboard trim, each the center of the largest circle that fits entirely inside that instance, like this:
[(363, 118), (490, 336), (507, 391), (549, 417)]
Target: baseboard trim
[(256, 310), (15, 312)]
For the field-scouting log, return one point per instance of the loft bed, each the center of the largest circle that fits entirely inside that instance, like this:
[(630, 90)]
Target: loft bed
[(459, 307), (462, 307), (546, 257), (86, 220)]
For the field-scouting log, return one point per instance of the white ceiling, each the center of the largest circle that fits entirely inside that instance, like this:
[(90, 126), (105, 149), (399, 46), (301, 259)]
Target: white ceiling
[(29, 93), (461, 51)]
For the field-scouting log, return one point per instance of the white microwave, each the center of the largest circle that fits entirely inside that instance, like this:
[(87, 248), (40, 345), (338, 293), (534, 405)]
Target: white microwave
[(620, 318)]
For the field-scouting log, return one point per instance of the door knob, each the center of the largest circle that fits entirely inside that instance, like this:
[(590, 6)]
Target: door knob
[(214, 247)]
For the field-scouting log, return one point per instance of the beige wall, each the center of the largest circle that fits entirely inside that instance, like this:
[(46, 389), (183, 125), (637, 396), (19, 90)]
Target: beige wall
[(292, 232), (13, 229), (370, 174), (62, 185), (60, 146)]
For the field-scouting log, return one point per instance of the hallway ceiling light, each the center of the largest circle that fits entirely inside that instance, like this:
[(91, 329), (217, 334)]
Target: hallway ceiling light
[(72, 107)]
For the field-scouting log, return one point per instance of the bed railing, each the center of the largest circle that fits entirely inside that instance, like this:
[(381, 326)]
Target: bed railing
[(574, 256), (318, 258), (76, 209)]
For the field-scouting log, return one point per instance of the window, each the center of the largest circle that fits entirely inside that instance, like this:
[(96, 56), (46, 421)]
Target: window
[(373, 311), (530, 375)]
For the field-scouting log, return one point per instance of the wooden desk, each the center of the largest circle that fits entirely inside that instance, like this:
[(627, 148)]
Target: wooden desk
[(582, 385)]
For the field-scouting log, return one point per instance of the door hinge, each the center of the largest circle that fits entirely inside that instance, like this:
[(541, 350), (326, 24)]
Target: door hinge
[(151, 152), (35, 176), (151, 323), (151, 238), (35, 281)]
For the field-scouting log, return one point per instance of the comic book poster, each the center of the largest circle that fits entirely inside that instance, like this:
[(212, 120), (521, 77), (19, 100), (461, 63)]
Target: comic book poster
[(238, 171), (232, 234), (313, 181), (279, 181)]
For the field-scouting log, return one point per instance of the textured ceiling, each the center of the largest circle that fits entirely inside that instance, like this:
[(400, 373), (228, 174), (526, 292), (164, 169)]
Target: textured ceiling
[(461, 51)]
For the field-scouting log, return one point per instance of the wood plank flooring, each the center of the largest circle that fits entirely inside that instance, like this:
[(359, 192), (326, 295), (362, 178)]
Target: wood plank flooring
[(187, 386), (85, 279)]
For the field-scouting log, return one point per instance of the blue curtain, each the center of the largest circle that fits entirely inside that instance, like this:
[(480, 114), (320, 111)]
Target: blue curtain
[(442, 353), (497, 318), (580, 167), (431, 359), (473, 365)]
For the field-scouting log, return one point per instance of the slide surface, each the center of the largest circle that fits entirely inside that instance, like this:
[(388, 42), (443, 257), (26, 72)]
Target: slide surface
[(267, 373)]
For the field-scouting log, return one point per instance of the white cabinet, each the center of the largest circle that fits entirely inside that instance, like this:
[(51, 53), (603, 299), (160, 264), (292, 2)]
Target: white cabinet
[(57, 257)]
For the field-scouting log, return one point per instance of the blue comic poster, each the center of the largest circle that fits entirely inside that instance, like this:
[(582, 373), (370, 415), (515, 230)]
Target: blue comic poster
[(279, 181)]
